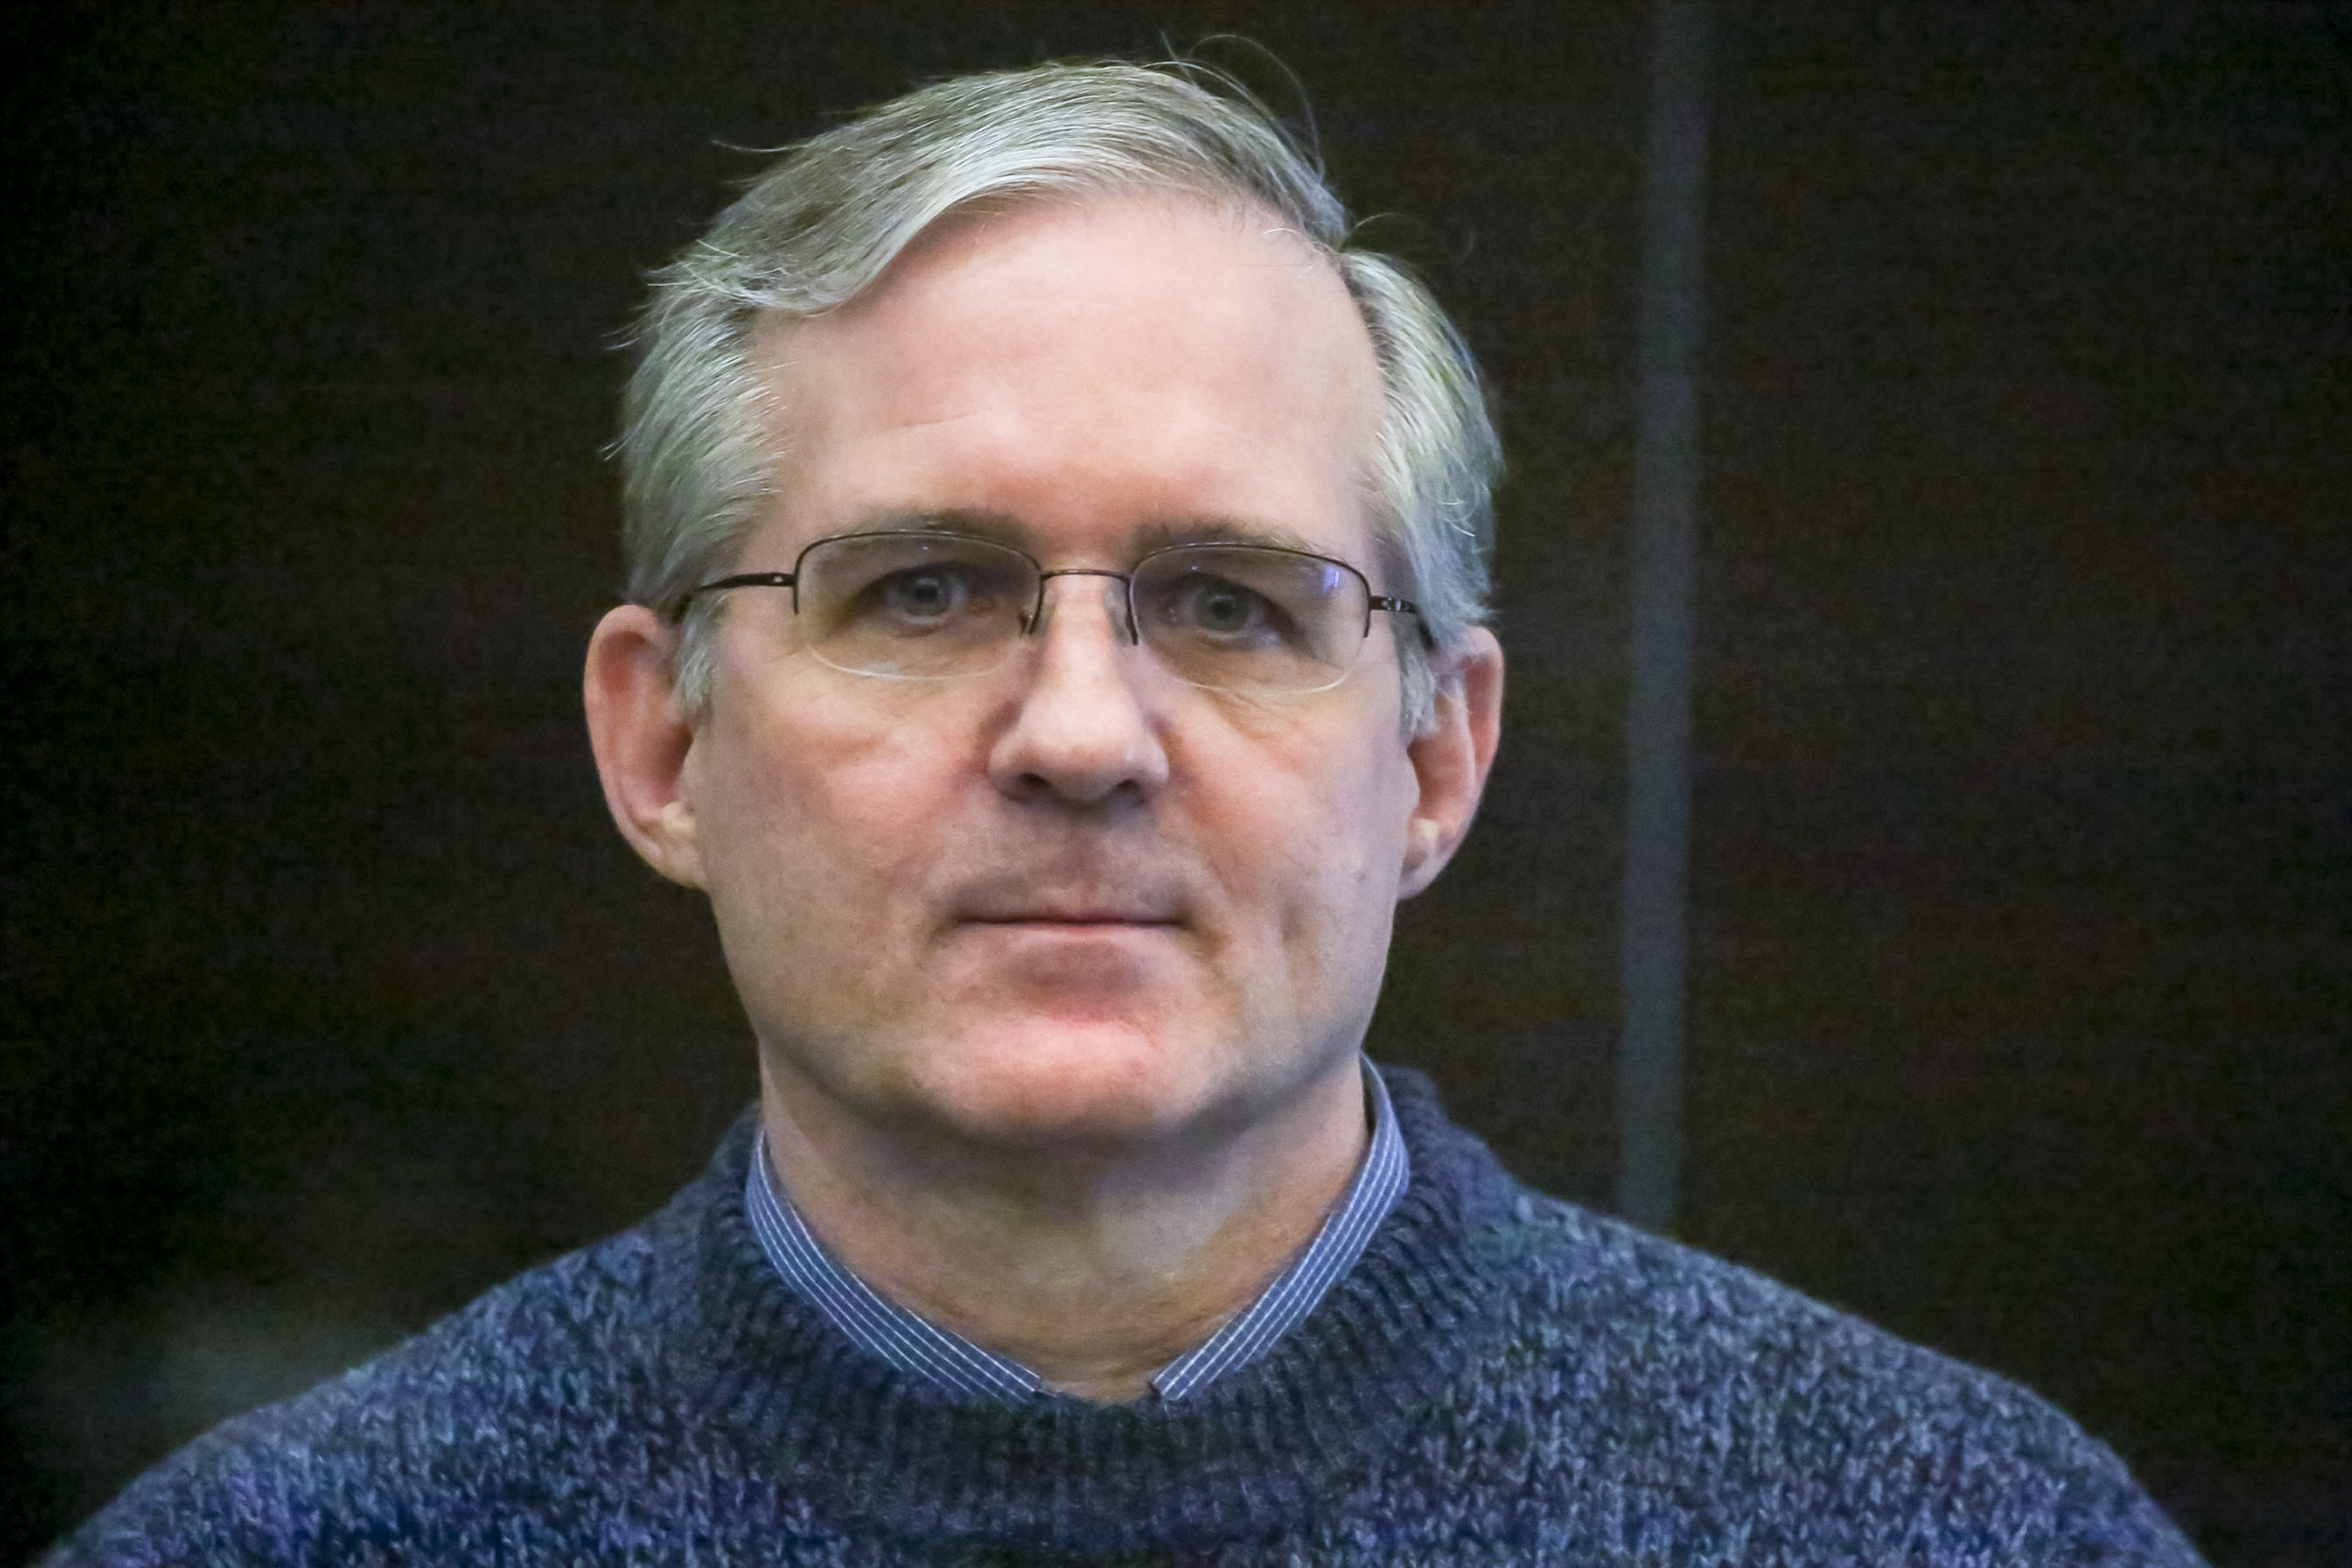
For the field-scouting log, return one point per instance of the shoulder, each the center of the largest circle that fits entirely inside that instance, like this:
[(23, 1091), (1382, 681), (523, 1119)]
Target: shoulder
[(1684, 1376), (1634, 1310), (553, 1374)]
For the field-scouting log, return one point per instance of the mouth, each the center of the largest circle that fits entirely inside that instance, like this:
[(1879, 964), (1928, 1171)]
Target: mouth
[(1075, 920), (1081, 915), (1108, 903)]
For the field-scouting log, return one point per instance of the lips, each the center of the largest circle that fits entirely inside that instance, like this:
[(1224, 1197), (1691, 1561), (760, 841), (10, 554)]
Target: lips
[(1010, 902), (1071, 916)]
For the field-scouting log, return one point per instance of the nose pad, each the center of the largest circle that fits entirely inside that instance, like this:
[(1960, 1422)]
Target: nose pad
[(1116, 606)]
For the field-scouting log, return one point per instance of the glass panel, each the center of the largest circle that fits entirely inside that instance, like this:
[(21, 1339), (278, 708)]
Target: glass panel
[(1242, 618), (917, 606)]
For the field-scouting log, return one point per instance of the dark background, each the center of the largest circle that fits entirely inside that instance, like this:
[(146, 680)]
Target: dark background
[(2023, 812)]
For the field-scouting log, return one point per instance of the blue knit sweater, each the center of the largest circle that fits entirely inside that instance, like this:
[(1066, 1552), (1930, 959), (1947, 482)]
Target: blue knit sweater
[(1502, 1379)]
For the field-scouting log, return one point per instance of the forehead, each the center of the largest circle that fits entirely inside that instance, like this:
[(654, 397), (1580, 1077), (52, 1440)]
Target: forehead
[(1103, 367)]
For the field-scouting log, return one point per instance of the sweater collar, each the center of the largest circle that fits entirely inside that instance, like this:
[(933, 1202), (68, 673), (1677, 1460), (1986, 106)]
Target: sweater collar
[(877, 1451), (891, 1332)]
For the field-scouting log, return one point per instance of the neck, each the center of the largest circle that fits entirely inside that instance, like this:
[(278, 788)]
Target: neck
[(1095, 1268)]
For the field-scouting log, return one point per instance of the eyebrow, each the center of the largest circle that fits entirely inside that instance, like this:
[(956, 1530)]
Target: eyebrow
[(1159, 533), (997, 527)]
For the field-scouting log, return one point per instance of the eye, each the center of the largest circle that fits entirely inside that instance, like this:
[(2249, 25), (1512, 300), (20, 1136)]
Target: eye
[(1221, 609), (924, 593)]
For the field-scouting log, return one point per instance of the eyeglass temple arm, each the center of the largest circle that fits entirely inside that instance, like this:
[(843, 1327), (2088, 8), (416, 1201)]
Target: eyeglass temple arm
[(1404, 607), (676, 609)]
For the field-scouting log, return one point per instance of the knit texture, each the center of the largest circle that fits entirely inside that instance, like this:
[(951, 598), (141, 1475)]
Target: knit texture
[(1502, 1378)]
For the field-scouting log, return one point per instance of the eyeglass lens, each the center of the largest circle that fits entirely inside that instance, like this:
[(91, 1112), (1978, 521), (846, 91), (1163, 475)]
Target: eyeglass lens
[(1235, 617)]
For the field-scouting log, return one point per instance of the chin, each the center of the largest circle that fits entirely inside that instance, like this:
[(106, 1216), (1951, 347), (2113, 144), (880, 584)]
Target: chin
[(1069, 1080)]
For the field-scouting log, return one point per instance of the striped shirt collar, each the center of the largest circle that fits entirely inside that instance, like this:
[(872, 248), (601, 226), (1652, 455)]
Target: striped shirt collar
[(883, 1329)]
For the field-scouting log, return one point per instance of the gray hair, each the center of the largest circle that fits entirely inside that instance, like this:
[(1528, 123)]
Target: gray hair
[(821, 225)]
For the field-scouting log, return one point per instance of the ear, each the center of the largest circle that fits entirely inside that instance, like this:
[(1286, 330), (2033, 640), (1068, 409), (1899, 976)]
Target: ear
[(642, 739), (1452, 757)]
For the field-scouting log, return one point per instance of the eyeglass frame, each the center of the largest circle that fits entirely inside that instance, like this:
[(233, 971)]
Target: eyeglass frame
[(675, 610)]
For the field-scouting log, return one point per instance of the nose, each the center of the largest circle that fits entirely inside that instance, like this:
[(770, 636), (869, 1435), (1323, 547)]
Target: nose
[(1083, 729)]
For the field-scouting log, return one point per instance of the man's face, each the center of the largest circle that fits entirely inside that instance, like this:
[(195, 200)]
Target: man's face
[(1074, 901)]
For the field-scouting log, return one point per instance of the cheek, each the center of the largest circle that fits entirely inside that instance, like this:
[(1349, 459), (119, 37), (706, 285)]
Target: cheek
[(1315, 833), (824, 813)]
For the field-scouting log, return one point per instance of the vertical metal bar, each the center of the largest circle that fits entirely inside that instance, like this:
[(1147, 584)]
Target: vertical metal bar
[(1652, 930)]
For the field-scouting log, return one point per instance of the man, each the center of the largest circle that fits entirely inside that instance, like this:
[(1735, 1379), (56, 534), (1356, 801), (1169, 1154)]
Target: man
[(1056, 564)]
